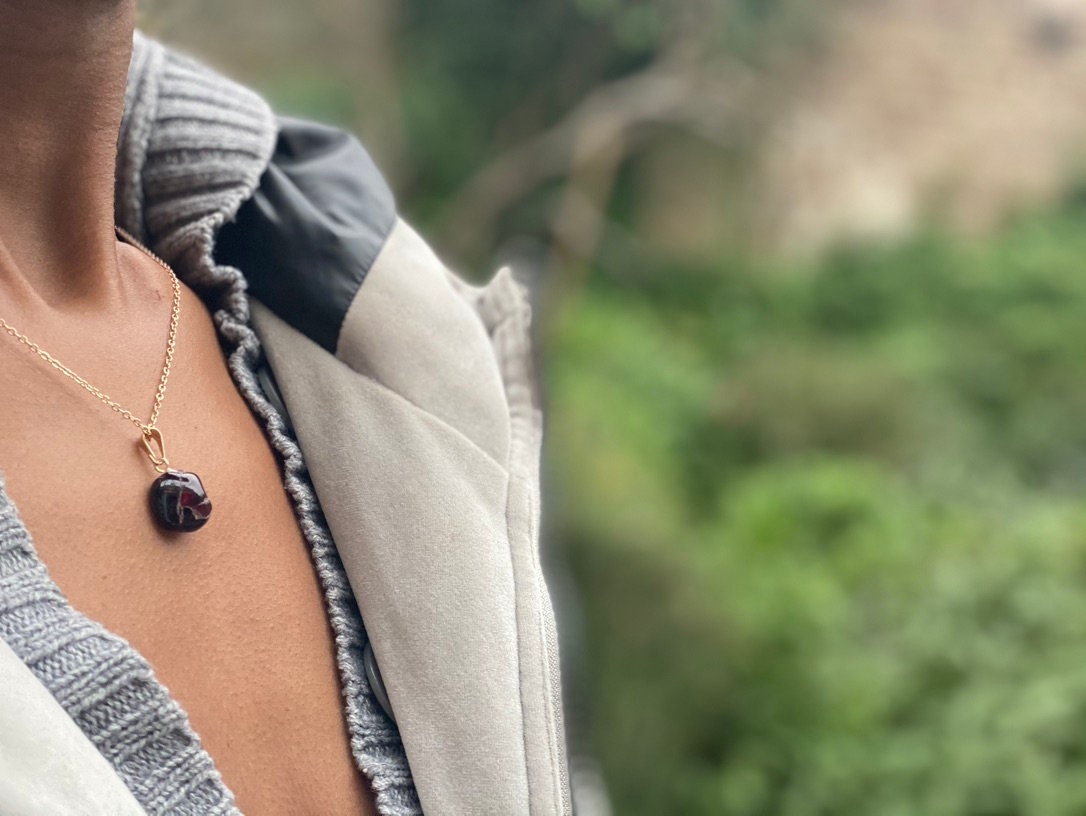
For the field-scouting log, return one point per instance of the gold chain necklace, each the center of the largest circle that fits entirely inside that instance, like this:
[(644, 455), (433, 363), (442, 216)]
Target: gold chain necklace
[(178, 499)]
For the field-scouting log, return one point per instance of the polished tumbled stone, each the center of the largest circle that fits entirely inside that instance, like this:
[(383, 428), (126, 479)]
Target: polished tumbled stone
[(179, 501)]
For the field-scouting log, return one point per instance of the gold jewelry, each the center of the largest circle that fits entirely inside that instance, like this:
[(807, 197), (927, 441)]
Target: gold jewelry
[(178, 499)]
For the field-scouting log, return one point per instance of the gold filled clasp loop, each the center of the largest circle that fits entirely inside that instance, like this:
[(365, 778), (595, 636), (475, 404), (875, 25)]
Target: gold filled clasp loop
[(155, 447)]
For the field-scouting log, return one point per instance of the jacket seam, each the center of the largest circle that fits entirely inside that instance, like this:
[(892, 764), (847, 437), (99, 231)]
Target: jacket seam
[(444, 423), (514, 451), (515, 323), (361, 281)]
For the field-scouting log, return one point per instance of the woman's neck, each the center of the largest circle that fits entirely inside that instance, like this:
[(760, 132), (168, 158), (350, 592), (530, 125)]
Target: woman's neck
[(63, 71)]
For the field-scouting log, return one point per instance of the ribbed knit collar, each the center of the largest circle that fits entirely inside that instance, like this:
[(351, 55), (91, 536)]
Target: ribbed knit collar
[(192, 147)]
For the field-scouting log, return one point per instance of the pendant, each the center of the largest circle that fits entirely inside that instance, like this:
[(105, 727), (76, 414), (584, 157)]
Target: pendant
[(179, 502)]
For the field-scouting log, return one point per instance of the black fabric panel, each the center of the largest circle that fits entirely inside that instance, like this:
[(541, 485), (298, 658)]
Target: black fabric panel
[(312, 230)]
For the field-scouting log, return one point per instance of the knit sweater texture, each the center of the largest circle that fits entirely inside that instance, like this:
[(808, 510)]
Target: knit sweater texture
[(192, 147)]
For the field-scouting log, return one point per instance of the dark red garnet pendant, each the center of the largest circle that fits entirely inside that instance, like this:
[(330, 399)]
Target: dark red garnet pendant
[(179, 501)]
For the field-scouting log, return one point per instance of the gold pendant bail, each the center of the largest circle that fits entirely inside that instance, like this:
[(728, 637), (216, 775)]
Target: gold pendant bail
[(153, 436)]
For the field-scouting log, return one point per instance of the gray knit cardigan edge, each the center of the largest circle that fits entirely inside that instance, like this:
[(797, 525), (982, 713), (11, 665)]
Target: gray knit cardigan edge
[(192, 147)]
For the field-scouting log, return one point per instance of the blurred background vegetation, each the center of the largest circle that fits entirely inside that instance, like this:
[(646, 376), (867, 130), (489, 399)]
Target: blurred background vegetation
[(811, 300)]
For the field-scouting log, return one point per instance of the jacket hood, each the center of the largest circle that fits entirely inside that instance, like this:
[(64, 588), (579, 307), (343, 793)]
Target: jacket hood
[(206, 168)]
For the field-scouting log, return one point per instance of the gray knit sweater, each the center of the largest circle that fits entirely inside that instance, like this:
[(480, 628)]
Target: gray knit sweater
[(192, 147)]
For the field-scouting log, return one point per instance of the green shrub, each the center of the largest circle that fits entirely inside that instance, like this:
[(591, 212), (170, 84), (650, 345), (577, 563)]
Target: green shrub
[(834, 563)]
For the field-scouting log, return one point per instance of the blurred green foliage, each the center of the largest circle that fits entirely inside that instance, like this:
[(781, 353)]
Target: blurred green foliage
[(829, 528)]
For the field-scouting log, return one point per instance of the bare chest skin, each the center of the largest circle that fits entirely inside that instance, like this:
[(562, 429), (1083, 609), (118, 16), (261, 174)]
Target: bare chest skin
[(232, 617)]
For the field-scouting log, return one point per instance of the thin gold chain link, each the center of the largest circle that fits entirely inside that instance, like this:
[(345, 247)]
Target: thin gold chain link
[(171, 344)]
